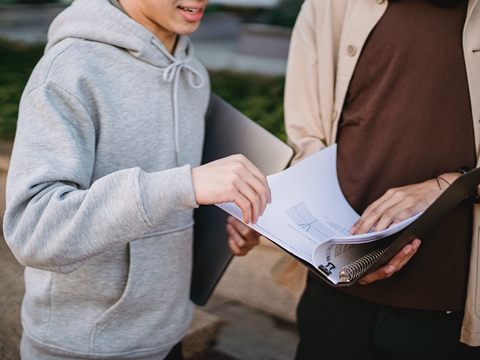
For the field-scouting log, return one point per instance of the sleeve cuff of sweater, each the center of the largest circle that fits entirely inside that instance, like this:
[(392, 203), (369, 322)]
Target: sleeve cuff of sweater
[(167, 192)]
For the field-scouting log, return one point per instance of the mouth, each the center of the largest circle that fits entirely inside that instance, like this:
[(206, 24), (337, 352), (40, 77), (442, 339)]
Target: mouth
[(189, 10)]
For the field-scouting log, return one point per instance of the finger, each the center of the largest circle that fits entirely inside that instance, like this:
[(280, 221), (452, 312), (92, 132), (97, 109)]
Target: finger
[(249, 199), (235, 236), (248, 241), (369, 219), (235, 249), (244, 205), (393, 215), (262, 180), (256, 203), (239, 226), (379, 215), (257, 192), (379, 274)]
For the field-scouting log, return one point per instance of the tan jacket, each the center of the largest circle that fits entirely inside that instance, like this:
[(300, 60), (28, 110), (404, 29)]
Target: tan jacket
[(326, 42)]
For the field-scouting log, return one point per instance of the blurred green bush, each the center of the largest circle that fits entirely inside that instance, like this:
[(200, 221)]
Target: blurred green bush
[(284, 13), (17, 61), (258, 97)]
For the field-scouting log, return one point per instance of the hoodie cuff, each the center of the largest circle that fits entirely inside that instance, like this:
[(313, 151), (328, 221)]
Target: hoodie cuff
[(167, 192)]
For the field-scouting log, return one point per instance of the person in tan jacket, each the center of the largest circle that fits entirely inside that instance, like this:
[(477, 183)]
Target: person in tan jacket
[(396, 84)]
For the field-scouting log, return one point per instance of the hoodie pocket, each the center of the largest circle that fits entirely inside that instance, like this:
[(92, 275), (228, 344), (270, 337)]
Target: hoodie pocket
[(154, 311)]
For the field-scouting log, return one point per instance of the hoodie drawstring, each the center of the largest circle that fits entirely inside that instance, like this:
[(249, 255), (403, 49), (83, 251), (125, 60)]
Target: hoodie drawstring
[(171, 74)]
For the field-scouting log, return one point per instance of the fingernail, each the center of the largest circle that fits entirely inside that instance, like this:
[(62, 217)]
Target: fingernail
[(389, 270)]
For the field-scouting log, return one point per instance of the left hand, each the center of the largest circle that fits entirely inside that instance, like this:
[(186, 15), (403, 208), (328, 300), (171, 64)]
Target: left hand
[(242, 239), (399, 204), (394, 265)]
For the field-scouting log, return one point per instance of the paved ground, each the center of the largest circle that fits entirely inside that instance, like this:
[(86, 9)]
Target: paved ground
[(11, 293)]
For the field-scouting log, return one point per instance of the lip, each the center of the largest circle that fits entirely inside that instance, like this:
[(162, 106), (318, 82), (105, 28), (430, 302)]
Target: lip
[(192, 17)]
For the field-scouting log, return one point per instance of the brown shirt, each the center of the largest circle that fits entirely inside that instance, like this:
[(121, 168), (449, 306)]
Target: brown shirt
[(409, 92)]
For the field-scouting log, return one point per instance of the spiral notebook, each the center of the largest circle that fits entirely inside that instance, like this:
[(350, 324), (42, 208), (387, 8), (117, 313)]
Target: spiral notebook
[(227, 132), (420, 228), (372, 255), (310, 218)]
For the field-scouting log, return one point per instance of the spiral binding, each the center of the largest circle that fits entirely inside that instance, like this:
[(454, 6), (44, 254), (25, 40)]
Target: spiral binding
[(358, 267)]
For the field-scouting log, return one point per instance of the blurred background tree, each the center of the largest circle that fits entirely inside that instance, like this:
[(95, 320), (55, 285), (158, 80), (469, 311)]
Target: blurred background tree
[(258, 97), (284, 13), (32, 2), (17, 61)]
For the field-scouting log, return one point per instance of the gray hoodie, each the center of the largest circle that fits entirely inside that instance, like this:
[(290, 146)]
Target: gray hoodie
[(99, 190)]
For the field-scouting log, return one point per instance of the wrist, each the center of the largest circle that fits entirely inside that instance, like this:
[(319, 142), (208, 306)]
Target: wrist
[(446, 179)]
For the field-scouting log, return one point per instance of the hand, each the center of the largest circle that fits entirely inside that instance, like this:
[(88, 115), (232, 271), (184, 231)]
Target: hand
[(396, 205), (395, 264), (242, 238), (232, 179), (399, 204)]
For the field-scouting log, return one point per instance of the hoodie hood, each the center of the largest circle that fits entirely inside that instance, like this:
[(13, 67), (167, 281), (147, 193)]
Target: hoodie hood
[(100, 21)]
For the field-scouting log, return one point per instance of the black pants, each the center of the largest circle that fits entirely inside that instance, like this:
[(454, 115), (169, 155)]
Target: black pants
[(333, 325), (175, 353)]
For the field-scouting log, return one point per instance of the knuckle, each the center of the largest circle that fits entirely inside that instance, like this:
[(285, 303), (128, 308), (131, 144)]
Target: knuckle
[(392, 192), (387, 214), (387, 275), (409, 211), (256, 198), (410, 199), (375, 212), (239, 158)]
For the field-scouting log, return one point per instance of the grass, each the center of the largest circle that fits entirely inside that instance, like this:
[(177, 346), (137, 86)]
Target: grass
[(258, 97), (17, 61)]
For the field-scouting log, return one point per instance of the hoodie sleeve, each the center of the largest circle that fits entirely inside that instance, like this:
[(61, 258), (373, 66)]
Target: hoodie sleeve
[(56, 219)]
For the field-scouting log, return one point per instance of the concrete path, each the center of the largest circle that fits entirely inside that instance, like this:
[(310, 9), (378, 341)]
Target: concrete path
[(219, 42)]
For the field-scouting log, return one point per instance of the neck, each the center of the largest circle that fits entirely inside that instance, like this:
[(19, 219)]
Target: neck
[(167, 38)]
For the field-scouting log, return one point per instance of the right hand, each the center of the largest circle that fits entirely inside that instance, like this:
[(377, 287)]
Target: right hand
[(232, 179)]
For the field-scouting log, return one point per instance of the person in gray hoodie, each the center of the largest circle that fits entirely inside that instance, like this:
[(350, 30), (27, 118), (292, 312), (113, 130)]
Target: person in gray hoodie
[(104, 176)]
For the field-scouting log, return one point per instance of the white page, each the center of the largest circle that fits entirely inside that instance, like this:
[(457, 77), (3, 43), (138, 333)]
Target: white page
[(308, 207)]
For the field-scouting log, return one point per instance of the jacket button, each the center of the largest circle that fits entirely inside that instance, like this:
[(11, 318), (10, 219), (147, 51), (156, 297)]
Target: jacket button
[(351, 50)]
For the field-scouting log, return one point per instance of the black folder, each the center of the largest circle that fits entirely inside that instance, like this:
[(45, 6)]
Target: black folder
[(227, 132)]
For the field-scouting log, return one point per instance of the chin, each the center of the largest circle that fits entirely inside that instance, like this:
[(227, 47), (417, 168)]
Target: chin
[(189, 29)]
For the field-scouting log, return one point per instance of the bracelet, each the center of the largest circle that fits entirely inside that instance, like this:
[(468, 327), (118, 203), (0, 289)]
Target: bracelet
[(438, 182)]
